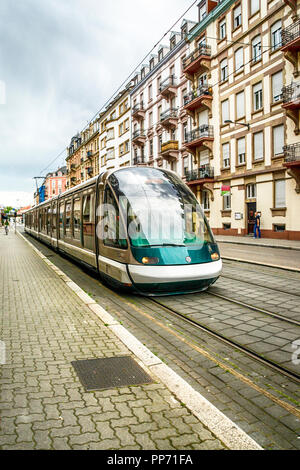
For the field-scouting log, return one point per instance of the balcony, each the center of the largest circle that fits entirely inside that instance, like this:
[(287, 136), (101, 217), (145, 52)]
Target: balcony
[(169, 118), (89, 154), (291, 103), (139, 137), (198, 61), (170, 150), (138, 111), (204, 174), (73, 180), (90, 170), (73, 167), (291, 44), (292, 162), (139, 160), (199, 98), (168, 86), (201, 138), (292, 4)]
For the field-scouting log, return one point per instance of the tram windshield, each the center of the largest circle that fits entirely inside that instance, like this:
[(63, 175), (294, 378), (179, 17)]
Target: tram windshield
[(158, 209)]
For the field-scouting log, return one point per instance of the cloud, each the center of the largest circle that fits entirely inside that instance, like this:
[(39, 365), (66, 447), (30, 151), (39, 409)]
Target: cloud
[(60, 61)]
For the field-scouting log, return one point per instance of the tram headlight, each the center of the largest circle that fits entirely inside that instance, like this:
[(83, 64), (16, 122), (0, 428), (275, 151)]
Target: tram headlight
[(147, 260), (215, 256)]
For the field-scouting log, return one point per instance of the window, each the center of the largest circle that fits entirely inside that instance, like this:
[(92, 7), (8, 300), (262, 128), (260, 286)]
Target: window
[(110, 154), (76, 218), (277, 84), (222, 29), (151, 147), (226, 155), (111, 223), (110, 134), (241, 148), (279, 194), (185, 165), (279, 227), (61, 220), (237, 17), (251, 191), (278, 139), (258, 145), (224, 70), (160, 55), (239, 59), (152, 64), (257, 96), (227, 202), (225, 111), (254, 6), (205, 200), (185, 132), (68, 217), (88, 221), (276, 35), (256, 49), (172, 42), (150, 119), (150, 92), (202, 12), (240, 105)]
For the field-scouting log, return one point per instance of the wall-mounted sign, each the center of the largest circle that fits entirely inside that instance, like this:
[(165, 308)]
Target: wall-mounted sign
[(238, 216), (225, 190)]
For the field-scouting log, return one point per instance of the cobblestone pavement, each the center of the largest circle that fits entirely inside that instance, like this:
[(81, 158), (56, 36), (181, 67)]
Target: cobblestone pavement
[(248, 403), (258, 276), (45, 326)]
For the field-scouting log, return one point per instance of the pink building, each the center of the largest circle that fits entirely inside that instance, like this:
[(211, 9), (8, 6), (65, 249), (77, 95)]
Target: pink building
[(55, 183)]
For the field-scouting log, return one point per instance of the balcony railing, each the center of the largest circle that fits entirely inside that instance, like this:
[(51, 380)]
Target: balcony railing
[(203, 49), (203, 90), (138, 107), (138, 133), (169, 113), (203, 172), (140, 160), (171, 145), (199, 133), (170, 81), (89, 170), (292, 153), (89, 154), (291, 93), (290, 33)]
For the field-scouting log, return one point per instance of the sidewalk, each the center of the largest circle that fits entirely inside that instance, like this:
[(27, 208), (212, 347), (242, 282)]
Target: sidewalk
[(48, 322), (269, 242)]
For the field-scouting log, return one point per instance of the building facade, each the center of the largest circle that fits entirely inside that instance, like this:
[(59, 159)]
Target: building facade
[(159, 122), (83, 155), (114, 133), (244, 142), (55, 183)]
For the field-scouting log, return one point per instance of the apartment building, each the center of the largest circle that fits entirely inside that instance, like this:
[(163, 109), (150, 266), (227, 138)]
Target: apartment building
[(114, 133), (83, 155), (55, 182), (244, 146), (158, 120)]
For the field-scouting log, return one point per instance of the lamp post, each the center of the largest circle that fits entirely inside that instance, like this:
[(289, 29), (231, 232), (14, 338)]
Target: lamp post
[(237, 122)]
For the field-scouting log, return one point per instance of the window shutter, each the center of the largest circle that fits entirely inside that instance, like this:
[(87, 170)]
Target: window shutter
[(278, 139), (280, 193), (240, 105), (277, 86), (258, 145)]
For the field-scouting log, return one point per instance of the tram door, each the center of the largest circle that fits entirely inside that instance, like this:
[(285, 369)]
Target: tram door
[(251, 209)]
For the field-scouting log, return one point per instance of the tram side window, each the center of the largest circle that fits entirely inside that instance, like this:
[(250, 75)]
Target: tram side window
[(61, 220), (68, 218), (49, 220), (54, 218), (76, 218), (112, 232)]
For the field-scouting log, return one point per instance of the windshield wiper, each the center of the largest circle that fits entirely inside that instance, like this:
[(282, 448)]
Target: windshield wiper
[(161, 244)]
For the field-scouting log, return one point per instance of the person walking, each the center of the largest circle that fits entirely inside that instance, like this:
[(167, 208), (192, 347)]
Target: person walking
[(6, 224), (257, 232)]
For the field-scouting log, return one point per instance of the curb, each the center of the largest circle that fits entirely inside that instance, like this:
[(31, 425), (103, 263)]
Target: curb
[(222, 427)]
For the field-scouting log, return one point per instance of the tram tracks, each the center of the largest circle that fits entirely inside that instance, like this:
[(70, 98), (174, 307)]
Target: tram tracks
[(231, 342)]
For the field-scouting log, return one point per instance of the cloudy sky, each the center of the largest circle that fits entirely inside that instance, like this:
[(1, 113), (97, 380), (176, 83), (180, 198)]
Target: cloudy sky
[(60, 60)]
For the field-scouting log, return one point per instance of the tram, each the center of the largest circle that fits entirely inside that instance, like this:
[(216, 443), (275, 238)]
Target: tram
[(140, 228)]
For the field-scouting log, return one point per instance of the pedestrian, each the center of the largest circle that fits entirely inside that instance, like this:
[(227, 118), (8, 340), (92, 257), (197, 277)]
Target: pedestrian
[(257, 232), (6, 227)]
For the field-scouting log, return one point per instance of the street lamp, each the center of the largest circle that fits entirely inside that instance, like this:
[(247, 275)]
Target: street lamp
[(236, 122)]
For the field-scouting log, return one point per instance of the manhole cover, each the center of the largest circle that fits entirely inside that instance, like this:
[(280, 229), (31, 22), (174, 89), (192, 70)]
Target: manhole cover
[(111, 372)]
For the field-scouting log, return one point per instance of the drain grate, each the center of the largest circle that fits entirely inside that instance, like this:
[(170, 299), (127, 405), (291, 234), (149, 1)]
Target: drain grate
[(111, 372)]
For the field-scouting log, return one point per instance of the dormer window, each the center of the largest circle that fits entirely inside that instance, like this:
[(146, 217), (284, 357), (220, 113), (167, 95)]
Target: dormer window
[(184, 31), (172, 42), (160, 55), (151, 64), (143, 73), (202, 11)]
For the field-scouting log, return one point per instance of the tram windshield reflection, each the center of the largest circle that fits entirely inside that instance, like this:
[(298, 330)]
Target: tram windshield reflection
[(158, 209)]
